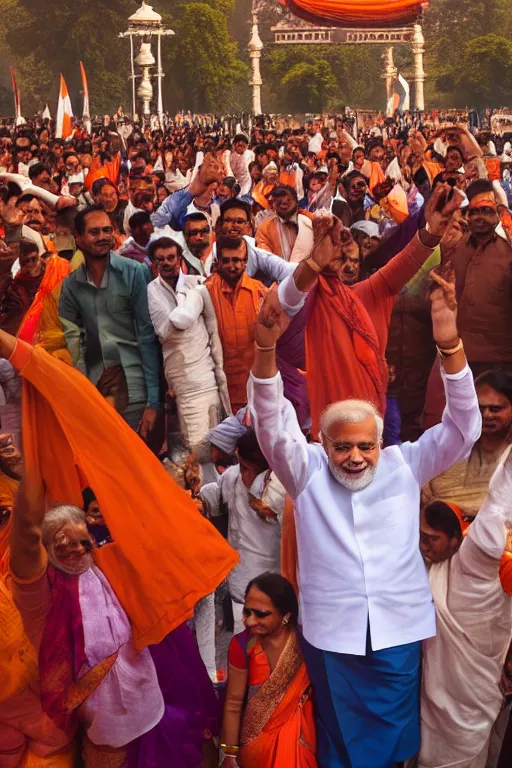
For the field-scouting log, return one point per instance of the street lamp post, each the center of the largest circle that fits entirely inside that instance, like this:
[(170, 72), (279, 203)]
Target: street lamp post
[(255, 48), (144, 25)]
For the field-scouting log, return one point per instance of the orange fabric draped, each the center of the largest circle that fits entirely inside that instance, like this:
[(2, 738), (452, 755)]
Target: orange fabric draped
[(432, 169), (396, 204), (237, 310), (357, 13), (278, 729), (493, 165), (506, 572), (110, 170), (377, 175), (61, 760), (289, 557), (288, 178), (57, 269), (260, 192), (18, 658), (165, 556), (340, 333)]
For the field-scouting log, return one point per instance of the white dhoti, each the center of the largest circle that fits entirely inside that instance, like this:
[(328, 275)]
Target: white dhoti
[(198, 412)]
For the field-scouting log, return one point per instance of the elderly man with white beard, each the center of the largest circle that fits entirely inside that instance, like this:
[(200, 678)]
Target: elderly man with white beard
[(363, 589)]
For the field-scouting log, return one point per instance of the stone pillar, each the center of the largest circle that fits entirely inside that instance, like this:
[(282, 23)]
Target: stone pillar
[(418, 49), (389, 76), (160, 74), (255, 48)]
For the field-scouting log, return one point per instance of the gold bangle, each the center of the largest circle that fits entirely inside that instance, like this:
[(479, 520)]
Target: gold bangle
[(452, 350), (227, 749), (313, 265), (264, 349)]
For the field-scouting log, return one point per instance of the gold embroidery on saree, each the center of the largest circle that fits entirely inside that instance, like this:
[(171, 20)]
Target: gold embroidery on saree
[(264, 703), (102, 757), (82, 689)]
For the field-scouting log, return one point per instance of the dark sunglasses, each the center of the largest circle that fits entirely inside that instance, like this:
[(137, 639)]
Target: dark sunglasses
[(196, 232)]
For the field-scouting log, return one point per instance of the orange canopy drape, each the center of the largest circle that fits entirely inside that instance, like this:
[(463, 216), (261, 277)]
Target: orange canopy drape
[(357, 13), (166, 556)]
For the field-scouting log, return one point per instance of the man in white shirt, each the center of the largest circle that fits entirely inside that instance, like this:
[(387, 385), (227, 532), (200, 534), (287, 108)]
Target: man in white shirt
[(239, 160), (363, 588), (190, 343), (463, 663), (254, 499)]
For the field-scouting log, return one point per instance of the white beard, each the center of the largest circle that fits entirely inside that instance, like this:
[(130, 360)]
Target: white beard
[(353, 483)]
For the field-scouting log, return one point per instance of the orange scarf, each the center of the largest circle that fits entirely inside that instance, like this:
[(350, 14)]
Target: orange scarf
[(57, 269), (342, 351), (165, 556)]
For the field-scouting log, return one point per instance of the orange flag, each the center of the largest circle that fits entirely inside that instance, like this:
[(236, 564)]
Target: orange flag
[(64, 112)]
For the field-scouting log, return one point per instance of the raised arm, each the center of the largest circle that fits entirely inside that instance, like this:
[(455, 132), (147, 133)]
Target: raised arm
[(27, 555), (444, 445), (171, 209), (274, 418), (176, 204), (439, 213), (329, 238), (490, 529)]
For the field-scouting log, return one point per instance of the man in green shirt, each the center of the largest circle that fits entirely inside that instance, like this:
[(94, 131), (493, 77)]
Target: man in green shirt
[(104, 310)]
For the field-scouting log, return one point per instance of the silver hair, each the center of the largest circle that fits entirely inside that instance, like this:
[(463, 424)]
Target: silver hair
[(56, 518), (350, 412)]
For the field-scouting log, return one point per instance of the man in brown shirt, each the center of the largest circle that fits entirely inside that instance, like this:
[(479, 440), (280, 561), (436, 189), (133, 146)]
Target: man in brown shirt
[(483, 276)]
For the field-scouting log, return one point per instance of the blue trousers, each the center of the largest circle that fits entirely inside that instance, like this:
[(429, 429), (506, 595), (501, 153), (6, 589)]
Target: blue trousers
[(367, 707)]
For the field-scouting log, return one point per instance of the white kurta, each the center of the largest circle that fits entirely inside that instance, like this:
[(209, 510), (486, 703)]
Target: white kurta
[(257, 541), (192, 352), (462, 664), (358, 552)]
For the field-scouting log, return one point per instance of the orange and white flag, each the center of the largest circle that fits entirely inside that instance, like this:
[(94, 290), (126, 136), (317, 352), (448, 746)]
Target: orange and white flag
[(86, 117), (64, 127)]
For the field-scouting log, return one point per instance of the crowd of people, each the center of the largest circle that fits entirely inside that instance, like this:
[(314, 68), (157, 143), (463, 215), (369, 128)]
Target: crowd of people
[(255, 430)]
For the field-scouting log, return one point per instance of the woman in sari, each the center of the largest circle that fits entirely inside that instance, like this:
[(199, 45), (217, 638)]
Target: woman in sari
[(108, 624), (268, 673)]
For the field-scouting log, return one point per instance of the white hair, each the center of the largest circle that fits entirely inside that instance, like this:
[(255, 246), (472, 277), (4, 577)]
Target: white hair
[(56, 518), (350, 412)]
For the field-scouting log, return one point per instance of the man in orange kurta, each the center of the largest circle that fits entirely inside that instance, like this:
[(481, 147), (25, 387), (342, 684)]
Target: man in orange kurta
[(347, 327), (237, 299)]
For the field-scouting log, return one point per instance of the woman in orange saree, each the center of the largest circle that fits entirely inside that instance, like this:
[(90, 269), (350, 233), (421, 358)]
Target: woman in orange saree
[(267, 673)]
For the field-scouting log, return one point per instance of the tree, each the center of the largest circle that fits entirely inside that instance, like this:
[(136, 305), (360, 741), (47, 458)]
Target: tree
[(309, 86), (449, 27), (353, 74), (46, 38), (485, 71), (207, 62)]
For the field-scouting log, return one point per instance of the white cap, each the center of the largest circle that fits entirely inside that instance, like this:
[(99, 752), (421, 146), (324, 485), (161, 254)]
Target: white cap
[(78, 178)]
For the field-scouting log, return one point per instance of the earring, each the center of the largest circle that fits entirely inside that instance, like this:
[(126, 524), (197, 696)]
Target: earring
[(285, 622)]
